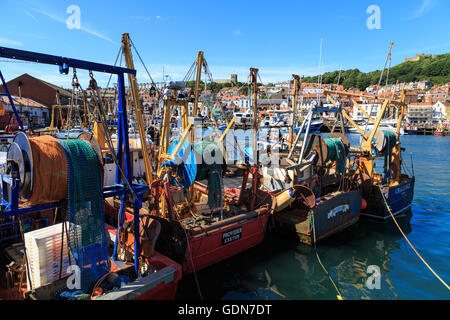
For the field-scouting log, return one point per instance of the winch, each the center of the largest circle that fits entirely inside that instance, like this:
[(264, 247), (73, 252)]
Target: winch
[(333, 148), (40, 164)]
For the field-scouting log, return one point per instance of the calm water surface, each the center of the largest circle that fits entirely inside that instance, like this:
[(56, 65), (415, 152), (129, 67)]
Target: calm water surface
[(282, 269)]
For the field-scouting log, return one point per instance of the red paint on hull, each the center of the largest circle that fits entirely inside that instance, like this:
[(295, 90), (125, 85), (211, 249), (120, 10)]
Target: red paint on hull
[(163, 291), (207, 247)]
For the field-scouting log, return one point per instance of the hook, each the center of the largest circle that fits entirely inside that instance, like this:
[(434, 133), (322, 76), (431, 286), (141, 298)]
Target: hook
[(92, 81)]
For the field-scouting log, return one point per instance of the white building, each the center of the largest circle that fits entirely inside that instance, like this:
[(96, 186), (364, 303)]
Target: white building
[(27, 108), (372, 108), (426, 113), (417, 85), (438, 112)]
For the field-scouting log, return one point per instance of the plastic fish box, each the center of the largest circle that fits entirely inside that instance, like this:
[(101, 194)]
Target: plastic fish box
[(43, 248)]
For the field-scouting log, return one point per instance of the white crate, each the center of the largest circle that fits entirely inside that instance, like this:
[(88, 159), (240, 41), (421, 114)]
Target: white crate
[(43, 248)]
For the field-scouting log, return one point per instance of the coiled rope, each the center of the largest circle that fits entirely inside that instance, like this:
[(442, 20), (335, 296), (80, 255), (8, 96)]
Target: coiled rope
[(398, 226)]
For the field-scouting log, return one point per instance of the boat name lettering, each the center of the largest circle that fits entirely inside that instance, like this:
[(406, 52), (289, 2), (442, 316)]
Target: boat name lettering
[(231, 235), (334, 212), (402, 189)]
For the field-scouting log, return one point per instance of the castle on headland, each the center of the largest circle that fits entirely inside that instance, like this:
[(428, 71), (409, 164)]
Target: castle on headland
[(418, 57)]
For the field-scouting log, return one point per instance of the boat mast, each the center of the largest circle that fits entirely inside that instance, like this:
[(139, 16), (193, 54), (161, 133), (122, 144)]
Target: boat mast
[(297, 84), (253, 79), (199, 63), (255, 169), (126, 49)]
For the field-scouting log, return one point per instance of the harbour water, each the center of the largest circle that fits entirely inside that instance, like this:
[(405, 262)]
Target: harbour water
[(282, 269)]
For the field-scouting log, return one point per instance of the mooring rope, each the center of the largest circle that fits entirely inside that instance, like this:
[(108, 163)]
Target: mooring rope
[(398, 226), (339, 295), (192, 263)]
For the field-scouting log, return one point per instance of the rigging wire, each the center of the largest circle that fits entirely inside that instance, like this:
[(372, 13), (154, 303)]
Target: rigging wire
[(106, 133), (319, 77), (378, 87), (110, 76), (145, 67)]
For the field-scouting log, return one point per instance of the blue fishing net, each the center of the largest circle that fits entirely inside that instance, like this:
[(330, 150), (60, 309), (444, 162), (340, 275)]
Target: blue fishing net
[(87, 235)]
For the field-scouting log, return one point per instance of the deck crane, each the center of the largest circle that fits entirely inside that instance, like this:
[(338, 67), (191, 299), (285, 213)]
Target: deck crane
[(369, 142), (124, 186), (397, 187), (126, 49), (254, 169), (199, 64)]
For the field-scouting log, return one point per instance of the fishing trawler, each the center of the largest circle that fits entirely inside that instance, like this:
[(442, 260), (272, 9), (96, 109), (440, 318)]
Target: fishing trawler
[(52, 212), (314, 196), (203, 221), (390, 192)]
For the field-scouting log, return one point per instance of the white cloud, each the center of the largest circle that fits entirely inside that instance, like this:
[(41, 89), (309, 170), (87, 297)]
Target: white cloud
[(237, 32), (140, 18), (30, 15), (87, 30), (8, 42), (147, 18), (426, 6)]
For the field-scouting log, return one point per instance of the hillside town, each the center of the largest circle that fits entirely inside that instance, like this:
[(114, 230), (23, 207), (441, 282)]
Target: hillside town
[(428, 104), (228, 156)]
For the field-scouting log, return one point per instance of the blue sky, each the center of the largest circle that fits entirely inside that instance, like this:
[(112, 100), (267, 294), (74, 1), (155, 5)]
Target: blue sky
[(278, 37)]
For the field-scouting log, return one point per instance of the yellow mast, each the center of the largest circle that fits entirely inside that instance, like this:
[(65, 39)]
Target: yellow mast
[(366, 164), (199, 63), (58, 102), (254, 80), (297, 84), (137, 103)]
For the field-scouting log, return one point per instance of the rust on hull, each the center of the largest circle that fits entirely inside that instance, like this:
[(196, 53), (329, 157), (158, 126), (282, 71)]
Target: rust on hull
[(334, 213)]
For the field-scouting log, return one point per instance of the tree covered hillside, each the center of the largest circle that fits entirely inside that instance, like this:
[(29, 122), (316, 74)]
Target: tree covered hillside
[(435, 69)]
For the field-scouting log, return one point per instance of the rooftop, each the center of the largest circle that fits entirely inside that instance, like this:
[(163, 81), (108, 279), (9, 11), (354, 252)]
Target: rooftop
[(21, 102)]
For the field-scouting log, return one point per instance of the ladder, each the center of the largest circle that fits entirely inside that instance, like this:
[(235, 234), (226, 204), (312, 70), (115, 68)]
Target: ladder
[(11, 101)]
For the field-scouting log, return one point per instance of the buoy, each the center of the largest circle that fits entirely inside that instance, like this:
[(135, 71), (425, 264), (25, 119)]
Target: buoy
[(363, 203), (315, 186), (284, 199)]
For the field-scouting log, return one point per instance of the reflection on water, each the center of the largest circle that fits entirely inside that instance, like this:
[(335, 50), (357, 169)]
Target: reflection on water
[(282, 269)]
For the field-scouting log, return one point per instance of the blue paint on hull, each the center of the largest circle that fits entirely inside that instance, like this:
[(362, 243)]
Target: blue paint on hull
[(399, 199)]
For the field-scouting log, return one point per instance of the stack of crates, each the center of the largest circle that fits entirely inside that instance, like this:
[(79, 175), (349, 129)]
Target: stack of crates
[(43, 249)]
